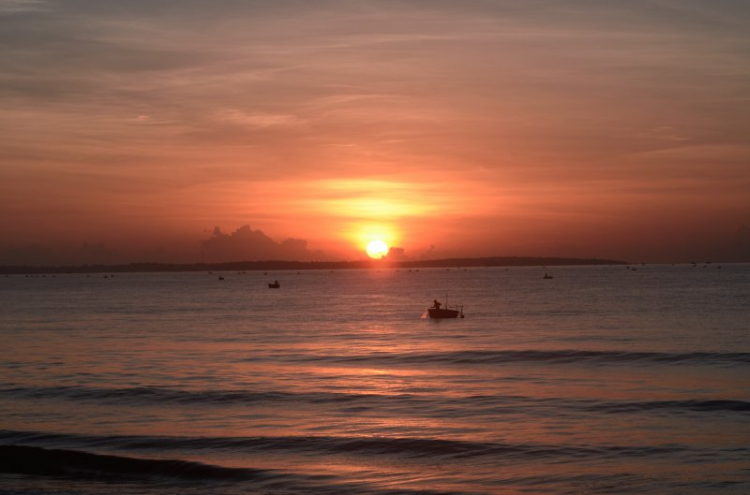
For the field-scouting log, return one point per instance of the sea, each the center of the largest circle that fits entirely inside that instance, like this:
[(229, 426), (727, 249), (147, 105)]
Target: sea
[(601, 380)]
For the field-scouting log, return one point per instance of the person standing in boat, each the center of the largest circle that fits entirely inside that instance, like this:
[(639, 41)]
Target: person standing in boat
[(436, 304)]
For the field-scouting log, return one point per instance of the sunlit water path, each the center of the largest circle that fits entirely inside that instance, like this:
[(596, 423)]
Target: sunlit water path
[(600, 380)]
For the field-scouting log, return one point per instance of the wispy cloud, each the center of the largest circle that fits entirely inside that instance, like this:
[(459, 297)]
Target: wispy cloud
[(21, 6), (257, 119)]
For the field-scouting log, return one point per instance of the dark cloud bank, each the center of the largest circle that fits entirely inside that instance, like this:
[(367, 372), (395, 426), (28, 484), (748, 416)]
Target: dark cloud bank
[(244, 244)]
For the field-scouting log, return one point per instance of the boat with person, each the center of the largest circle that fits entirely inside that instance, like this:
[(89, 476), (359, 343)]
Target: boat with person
[(439, 311), (274, 285)]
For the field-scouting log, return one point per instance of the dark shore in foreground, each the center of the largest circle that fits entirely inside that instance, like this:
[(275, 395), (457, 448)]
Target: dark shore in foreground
[(507, 261)]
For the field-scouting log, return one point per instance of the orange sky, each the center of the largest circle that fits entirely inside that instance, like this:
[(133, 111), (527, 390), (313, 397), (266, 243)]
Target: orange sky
[(130, 130)]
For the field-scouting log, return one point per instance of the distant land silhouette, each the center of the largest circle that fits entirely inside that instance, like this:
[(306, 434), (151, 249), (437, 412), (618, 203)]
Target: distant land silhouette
[(508, 261)]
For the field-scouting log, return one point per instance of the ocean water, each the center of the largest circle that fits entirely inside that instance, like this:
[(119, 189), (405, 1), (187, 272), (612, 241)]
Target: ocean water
[(600, 380)]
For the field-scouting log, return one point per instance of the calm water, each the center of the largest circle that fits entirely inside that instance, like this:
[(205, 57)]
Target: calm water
[(601, 380)]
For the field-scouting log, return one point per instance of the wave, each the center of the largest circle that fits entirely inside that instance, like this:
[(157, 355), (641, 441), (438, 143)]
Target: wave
[(366, 446), (673, 405), (195, 477), (37, 461), (571, 356), (80, 465), (419, 404), (149, 395)]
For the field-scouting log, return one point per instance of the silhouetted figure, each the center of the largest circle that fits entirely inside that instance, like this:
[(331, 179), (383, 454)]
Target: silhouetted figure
[(436, 304)]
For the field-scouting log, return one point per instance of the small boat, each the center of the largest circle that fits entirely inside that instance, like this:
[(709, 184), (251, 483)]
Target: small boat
[(547, 275), (437, 311), (274, 285)]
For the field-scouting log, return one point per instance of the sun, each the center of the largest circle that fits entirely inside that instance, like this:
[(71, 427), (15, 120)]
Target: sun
[(377, 249)]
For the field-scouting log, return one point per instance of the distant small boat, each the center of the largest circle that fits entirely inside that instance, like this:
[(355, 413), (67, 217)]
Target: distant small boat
[(221, 278), (547, 275), (274, 285)]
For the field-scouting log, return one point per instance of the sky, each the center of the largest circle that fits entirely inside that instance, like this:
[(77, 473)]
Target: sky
[(184, 131)]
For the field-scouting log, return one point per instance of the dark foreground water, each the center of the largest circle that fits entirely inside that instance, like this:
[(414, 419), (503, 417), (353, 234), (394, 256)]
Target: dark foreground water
[(601, 380)]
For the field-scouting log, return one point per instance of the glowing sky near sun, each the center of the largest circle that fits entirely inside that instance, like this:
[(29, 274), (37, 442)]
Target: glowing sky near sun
[(472, 128)]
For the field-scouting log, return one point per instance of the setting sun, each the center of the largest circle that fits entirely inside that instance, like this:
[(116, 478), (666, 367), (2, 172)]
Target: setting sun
[(377, 249)]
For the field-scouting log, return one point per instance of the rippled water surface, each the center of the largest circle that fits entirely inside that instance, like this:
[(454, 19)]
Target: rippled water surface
[(601, 380)]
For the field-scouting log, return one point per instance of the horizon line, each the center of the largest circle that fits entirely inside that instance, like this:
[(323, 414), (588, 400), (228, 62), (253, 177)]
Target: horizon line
[(462, 262)]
